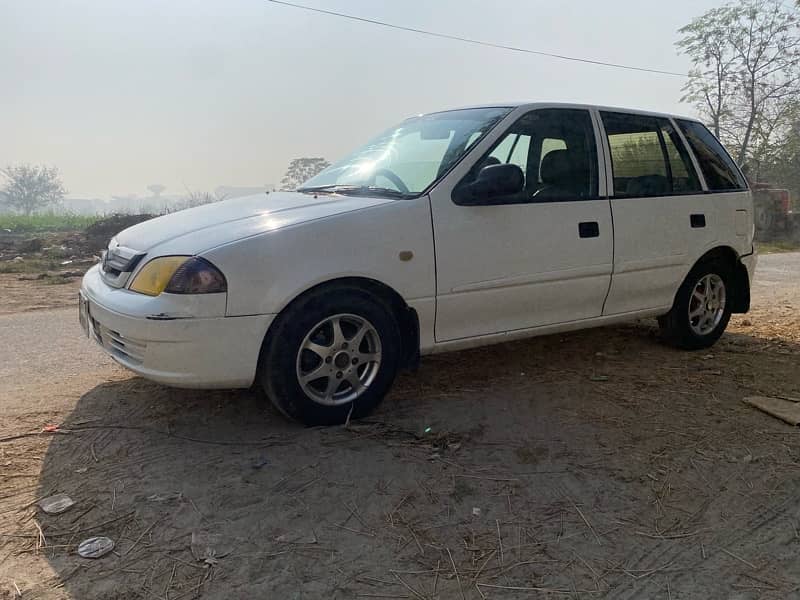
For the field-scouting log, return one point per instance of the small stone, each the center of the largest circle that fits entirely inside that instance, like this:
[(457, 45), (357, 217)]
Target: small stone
[(57, 504), (95, 547), (209, 547)]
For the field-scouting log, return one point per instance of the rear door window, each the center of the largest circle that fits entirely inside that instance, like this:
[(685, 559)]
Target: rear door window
[(647, 156), (718, 168)]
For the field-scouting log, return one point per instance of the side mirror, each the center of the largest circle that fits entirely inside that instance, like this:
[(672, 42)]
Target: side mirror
[(492, 182)]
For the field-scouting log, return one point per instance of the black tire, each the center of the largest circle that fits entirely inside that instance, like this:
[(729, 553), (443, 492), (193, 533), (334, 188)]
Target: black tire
[(676, 326), (279, 359)]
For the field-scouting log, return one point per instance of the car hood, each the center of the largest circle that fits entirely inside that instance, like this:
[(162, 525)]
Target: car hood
[(194, 230)]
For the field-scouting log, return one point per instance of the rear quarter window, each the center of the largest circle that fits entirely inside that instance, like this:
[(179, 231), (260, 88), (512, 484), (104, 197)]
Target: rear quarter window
[(718, 168)]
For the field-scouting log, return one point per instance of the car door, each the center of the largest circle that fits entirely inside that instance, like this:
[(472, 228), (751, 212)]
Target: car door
[(662, 218), (539, 257)]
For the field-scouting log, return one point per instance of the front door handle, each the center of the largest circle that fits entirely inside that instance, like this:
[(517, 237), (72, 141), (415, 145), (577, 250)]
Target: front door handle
[(589, 229)]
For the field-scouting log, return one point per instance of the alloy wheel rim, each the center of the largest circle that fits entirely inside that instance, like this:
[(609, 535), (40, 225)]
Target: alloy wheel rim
[(339, 359), (707, 304)]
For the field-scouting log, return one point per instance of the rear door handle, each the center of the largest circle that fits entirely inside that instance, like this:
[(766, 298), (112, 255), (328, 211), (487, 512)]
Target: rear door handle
[(589, 229)]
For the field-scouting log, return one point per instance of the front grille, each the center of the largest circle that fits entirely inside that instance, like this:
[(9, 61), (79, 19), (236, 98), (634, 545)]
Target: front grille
[(118, 263), (125, 348)]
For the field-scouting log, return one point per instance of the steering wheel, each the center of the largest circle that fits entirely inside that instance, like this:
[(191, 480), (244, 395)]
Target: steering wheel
[(391, 176)]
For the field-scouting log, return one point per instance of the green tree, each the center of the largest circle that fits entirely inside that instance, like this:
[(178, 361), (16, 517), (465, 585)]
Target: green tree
[(745, 78), (29, 188), (301, 170), (782, 166)]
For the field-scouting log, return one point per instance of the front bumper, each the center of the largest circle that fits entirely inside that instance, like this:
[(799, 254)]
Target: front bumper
[(181, 351)]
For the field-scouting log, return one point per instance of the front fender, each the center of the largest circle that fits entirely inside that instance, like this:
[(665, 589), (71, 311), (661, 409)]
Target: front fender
[(266, 272)]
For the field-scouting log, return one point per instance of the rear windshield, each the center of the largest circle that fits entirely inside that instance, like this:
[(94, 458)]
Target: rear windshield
[(720, 171)]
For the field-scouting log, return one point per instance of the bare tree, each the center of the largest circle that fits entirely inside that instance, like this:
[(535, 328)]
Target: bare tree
[(746, 73), (156, 189), (704, 41), (29, 188), (301, 170)]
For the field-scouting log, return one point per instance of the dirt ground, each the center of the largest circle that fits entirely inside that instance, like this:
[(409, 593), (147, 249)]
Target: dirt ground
[(598, 464), (43, 269), (22, 293)]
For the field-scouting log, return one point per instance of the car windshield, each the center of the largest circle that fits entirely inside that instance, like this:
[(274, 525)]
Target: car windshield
[(405, 160)]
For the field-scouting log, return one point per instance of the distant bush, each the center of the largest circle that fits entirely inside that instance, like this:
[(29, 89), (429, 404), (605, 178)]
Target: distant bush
[(102, 229), (194, 199), (45, 222)]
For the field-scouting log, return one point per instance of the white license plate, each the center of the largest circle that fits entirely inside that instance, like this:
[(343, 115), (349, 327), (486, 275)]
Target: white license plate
[(83, 313)]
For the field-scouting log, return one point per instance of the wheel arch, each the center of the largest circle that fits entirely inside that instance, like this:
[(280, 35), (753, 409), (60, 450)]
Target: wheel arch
[(740, 292), (407, 319)]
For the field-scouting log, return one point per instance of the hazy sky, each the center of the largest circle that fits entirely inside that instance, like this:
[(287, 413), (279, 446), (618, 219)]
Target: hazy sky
[(200, 93)]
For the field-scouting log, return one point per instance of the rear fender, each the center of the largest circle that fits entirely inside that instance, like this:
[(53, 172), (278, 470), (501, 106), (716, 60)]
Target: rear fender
[(740, 296)]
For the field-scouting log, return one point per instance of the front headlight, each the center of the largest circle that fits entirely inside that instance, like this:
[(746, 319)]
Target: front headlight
[(179, 275)]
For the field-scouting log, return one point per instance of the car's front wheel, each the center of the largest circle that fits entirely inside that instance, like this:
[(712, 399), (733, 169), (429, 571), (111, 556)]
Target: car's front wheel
[(702, 307), (331, 355)]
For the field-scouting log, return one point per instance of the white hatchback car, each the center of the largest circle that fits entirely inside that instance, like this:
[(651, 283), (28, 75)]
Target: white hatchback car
[(453, 229)]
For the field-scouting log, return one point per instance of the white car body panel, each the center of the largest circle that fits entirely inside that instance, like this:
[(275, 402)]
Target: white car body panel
[(266, 271), (207, 350), (527, 332), (497, 284), (476, 275), (195, 230), (652, 251), (507, 267)]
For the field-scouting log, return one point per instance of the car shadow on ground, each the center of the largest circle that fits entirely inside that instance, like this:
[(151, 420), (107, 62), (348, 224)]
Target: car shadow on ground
[(598, 462)]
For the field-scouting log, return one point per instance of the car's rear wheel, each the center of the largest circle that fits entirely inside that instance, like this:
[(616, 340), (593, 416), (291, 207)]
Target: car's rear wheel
[(702, 307), (330, 356)]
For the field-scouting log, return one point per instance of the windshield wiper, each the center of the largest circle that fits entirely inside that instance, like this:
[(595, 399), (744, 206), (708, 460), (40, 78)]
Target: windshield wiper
[(320, 189), (355, 190)]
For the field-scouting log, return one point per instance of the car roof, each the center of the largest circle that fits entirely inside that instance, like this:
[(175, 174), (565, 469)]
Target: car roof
[(542, 104)]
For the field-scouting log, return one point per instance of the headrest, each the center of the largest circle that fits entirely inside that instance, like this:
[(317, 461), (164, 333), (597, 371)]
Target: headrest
[(558, 166)]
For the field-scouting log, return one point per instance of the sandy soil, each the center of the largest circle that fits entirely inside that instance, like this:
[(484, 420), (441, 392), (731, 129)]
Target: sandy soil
[(600, 464), (21, 292)]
